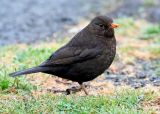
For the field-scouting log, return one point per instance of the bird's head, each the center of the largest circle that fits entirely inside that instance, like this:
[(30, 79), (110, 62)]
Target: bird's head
[(102, 26)]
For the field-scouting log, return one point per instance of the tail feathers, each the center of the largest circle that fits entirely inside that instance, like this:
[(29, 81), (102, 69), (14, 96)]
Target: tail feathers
[(27, 71)]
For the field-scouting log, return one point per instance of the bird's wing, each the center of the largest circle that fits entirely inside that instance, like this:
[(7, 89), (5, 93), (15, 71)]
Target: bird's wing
[(71, 55)]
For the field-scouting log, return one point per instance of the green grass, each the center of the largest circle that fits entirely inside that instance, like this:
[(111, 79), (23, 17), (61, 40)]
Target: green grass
[(6, 82), (154, 49), (149, 3), (150, 31), (126, 49), (18, 59), (127, 26), (126, 102), (24, 58)]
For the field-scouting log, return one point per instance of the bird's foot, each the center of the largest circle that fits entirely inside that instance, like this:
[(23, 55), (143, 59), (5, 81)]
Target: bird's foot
[(73, 90), (77, 89), (69, 90)]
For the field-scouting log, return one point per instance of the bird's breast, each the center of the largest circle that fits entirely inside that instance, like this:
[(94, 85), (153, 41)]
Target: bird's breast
[(96, 66), (91, 68)]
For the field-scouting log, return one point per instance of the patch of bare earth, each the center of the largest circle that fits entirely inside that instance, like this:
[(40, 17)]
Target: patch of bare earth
[(58, 86), (153, 104)]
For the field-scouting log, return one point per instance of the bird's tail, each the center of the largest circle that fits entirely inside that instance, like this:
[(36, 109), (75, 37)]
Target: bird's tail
[(27, 71)]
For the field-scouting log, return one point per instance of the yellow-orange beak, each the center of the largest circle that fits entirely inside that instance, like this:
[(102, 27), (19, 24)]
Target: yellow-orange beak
[(114, 25)]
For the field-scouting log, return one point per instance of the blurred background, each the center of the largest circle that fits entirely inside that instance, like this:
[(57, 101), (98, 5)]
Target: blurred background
[(31, 21), (30, 30)]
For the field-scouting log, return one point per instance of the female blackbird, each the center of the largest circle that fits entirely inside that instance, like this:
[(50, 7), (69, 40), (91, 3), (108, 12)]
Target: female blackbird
[(87, 55)]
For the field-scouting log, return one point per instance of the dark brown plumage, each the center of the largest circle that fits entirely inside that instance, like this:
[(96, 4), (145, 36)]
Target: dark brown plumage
[(86, 56)]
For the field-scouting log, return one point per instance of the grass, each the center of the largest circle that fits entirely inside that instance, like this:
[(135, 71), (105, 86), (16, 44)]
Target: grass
[(154, 50), (150, 31), (127, 26), (141, 31), (18, 58), (16, 93), (126, 102), (149, 3)]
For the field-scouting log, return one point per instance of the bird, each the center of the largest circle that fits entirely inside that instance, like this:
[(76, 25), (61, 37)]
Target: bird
[(86, 56)]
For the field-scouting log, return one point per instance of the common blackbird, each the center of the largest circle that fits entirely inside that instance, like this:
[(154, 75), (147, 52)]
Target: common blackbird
[(87, 55)]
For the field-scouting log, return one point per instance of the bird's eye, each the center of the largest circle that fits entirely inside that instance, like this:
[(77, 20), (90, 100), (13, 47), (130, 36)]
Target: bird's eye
[(101, 25)]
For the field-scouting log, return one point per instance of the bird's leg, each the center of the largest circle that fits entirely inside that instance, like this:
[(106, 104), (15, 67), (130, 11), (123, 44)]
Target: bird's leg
[(84, 89), (76, 89)]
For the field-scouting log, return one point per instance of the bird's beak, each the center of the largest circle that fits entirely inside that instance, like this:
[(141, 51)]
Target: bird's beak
[(114, 25)]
